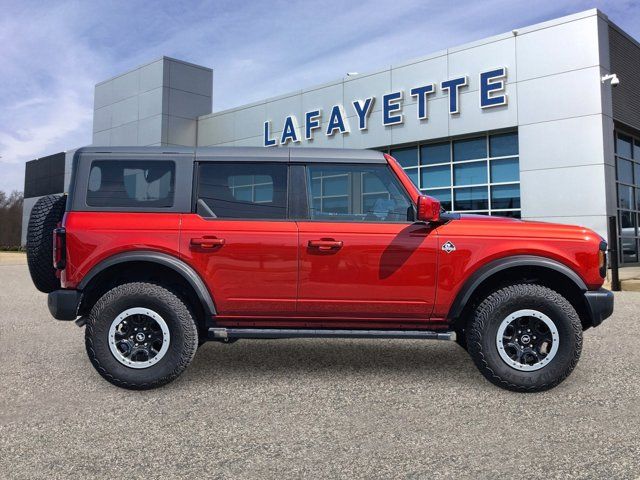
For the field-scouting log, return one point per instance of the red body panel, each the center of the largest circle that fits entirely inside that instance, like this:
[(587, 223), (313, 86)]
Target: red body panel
[(255, 271), (380, 271), (96, 236), (367, 275), (480, 240)]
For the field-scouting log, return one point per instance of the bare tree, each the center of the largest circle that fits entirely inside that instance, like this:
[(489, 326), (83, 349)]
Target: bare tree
[(10, 219)]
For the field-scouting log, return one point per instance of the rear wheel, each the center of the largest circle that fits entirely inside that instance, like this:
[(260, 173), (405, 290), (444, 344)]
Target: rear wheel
[(44, 218), (525, 338), (140, 336)]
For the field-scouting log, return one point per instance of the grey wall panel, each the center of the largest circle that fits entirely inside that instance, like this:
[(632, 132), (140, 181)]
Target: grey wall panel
[(474, 119), (435, 126), (322, 98), (27, 206), (249, 142), (568, 191), (125, 86), (181, 131), (364, 86), (102, 119), (153, 102), (102, 138), (377, 135), (472, 61), (248, 122), (216, 129), (165, 87), (625, 62), (568, 46), (432, 70), (125, 135), (280, 107), (190, 78), (124, 111), (570, 142), (150, 130), (102, 95), (564, 95), (187, 105), (152, 76)]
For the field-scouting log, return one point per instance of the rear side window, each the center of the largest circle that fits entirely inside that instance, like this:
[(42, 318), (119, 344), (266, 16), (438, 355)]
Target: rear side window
[(242, 190), (135, 183)]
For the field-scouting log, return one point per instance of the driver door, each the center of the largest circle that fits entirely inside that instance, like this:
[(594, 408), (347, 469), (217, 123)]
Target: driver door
[(361, 254)]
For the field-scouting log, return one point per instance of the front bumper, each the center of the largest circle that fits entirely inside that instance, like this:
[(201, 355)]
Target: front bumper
[(63, 304), (600, 303)]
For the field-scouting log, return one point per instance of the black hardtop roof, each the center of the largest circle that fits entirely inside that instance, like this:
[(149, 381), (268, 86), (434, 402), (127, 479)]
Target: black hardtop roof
[(278, 154)]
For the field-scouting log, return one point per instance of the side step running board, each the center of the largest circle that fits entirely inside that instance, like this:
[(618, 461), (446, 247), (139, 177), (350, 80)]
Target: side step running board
[(229, 333)]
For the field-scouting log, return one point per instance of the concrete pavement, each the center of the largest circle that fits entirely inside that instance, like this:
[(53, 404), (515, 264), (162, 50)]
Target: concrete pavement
[(310, 408)]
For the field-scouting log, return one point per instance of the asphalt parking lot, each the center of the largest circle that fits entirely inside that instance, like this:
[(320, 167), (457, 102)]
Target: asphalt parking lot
[(309, 408)]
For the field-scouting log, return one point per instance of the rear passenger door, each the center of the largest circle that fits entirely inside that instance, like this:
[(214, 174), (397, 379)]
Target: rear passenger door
[(239, 237), (362, 257)]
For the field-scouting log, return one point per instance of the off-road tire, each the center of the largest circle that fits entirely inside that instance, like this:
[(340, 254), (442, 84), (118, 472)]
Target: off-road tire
[(44, 218), (483, 327), (180, 321)]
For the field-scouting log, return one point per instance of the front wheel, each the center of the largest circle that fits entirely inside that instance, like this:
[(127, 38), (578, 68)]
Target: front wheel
[(140, 336), (526, 338)]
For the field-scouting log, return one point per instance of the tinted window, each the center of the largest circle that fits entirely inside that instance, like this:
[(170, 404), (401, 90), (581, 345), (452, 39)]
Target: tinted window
[(504, 144), (435, 153), (505, 170), (474, 198), (470, 173), (439, 176), (623, 146), (360, 193), (406, 157), (242, 190), (470, 149), (131, 183)]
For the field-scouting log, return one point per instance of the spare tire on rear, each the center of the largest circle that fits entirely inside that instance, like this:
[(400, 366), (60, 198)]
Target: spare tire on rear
[(44, 218)]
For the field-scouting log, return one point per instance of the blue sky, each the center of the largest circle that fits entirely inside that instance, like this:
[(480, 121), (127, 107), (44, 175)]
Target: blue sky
[(53, 53)]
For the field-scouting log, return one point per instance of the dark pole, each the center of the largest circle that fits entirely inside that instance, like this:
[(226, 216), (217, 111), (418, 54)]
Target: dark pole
[(613, 254)]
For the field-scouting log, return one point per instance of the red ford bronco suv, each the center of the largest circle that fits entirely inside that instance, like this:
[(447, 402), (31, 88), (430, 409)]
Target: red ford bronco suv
[(157, 250)]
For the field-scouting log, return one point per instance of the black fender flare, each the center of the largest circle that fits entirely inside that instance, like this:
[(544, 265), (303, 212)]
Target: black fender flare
[(490, 269), (175, 264)]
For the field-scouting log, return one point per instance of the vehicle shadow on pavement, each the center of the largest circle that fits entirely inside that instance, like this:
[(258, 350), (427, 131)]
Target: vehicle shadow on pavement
[(339, 357)]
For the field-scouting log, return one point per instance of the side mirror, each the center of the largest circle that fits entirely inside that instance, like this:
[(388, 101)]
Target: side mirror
[(428, 209)]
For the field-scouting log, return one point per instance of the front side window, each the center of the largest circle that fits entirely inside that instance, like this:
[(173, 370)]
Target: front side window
[(242, 190), (131, 183), (356, 193)]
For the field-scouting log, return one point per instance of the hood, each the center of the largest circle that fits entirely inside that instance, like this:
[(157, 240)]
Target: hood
[(485, 225)]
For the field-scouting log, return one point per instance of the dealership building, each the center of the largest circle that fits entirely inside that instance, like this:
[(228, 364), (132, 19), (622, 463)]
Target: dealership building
[(539, 123)]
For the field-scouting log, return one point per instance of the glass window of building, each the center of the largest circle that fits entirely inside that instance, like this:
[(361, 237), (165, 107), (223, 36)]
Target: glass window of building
[(628, 193), (476, 175)]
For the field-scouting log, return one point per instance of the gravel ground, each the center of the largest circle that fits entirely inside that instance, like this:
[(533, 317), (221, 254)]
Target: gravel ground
[(310, 408)]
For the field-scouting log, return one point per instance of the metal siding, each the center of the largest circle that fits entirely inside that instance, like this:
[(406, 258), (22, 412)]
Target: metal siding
[(625, 62), (44, 176)]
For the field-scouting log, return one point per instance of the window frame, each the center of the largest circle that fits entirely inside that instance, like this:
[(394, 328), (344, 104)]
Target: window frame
[(634, 186), (83, 162), (196, 188), (307, 193), (135, 165)]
